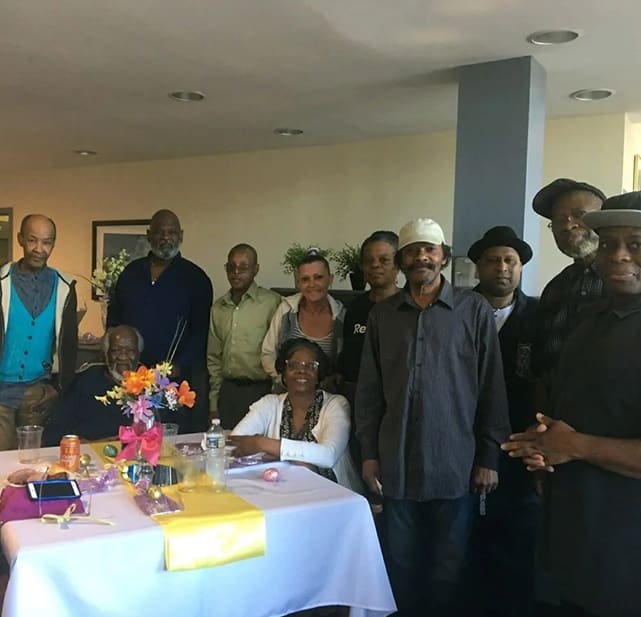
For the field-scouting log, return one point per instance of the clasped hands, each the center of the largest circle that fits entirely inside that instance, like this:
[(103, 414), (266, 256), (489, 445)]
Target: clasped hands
[(544, 445)]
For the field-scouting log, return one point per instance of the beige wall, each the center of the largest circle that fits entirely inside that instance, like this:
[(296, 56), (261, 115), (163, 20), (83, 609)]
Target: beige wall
[(324, 195), (586, 148), (631, 147)]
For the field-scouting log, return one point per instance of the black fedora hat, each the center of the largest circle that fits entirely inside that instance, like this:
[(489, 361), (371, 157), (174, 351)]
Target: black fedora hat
[(500, 236), (545, 199), (618, 211)]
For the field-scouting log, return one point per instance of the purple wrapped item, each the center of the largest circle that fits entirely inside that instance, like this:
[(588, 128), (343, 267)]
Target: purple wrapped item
[(164, 505), (247, 461), (15, 505), (99, 483)]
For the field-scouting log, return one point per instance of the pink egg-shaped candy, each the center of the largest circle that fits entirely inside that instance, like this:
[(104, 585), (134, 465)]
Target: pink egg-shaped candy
[(271, 475)]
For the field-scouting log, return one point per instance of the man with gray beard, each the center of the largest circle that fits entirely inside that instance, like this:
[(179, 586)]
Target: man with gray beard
[(78, 412), (168, 299), (564, 202)]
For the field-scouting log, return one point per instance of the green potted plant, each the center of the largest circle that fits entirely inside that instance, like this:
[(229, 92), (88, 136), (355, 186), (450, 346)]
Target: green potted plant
[(348, 264), (296, 253)]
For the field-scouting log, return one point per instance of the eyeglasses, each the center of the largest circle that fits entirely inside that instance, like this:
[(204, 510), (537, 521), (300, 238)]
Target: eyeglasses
[(297, 365), (241, 269), (573, 215)]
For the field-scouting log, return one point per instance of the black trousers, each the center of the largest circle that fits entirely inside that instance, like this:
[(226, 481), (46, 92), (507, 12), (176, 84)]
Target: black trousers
[(236, 396), (426, 554), (503, 554), (572, 610)]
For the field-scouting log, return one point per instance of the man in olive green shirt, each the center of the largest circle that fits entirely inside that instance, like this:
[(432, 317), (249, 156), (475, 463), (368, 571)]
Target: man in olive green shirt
[(239, 322)]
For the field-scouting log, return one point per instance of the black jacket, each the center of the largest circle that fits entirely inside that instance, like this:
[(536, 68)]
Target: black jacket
[(516, 339)]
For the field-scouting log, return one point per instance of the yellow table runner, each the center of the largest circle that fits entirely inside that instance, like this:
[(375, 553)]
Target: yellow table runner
[(213, 529)]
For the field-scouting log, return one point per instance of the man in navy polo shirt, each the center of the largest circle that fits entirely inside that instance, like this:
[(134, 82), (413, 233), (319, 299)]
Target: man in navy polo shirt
[(167, 298), (39, 334)]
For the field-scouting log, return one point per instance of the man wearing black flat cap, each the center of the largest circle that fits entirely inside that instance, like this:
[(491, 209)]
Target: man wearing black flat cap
[(565, 202), (505, 539), (591, 434)]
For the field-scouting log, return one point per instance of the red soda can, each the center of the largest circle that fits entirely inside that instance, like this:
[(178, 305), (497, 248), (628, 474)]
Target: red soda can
[(70, 452)]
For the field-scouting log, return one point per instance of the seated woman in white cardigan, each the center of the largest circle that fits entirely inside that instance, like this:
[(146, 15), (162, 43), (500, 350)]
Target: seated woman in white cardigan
[(305, 424)]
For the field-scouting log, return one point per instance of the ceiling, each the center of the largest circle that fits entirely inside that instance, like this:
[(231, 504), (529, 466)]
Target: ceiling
[(78, 74)]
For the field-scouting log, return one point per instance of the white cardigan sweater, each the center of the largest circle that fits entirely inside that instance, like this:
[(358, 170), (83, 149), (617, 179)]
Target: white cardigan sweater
[(331, 433)]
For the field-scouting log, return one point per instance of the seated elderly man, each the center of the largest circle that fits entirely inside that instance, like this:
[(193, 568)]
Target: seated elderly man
[(78, 412)]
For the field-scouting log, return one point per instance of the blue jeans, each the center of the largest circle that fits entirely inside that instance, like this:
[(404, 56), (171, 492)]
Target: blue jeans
[(426, 554)]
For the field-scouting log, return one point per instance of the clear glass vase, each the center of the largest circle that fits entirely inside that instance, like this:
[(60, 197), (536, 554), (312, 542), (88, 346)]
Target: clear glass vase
[(143, 470), (140, 427)]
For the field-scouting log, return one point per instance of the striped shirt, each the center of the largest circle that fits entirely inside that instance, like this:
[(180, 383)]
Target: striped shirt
[(326, 343), (561, 308)]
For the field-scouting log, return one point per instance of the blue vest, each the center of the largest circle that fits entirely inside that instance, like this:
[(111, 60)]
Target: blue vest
[(28, 345)]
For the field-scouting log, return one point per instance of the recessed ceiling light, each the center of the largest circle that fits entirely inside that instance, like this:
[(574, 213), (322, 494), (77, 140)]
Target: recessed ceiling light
[(186, 96), (85, 152), (592, 94), (288, 132), (552, 37)]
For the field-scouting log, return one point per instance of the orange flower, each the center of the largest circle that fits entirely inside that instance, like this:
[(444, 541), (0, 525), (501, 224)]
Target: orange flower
[(135, 382), (186, 396)]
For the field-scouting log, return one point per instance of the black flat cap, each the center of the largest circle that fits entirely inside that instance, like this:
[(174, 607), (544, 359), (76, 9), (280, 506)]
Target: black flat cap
[(618, 211), (545, 199), (500, 236)]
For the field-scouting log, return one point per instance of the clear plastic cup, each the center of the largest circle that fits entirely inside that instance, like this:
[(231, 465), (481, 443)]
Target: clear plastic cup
[(29, 440), (169, 435), (190, 468)]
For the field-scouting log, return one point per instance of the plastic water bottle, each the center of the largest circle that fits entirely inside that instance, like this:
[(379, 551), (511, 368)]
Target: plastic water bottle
[(215, 453)]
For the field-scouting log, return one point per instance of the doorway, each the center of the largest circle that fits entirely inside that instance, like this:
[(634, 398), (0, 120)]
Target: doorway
[(6, 235)]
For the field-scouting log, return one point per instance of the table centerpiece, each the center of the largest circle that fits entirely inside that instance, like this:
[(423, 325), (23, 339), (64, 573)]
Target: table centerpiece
[(142, 394)]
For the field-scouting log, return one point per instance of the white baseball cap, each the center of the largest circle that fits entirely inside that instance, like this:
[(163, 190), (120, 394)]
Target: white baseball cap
[(420, 230)]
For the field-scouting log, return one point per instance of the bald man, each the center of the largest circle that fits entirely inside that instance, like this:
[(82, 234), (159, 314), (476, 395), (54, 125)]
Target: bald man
[(39, 337), (168, 299)]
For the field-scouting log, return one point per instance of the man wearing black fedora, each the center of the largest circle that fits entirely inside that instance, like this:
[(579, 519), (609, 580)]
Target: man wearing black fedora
[(590, 436), (564, 202), (506, 528)]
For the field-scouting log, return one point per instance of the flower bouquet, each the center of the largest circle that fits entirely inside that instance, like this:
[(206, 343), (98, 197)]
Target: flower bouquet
[(141, 395), (104, 279)]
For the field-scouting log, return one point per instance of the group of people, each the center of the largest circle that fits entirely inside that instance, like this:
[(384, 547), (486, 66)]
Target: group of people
[(492, 427)]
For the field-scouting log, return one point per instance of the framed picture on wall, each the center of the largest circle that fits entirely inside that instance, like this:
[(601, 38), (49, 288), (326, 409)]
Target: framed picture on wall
[(636, 180), (108, 238)]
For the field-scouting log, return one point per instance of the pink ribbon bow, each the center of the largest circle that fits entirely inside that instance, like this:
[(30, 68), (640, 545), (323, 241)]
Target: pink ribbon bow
[(149, 443)]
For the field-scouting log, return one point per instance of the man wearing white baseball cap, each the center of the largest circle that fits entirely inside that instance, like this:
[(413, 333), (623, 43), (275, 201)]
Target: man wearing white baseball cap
[(431, 412), (591, 434)]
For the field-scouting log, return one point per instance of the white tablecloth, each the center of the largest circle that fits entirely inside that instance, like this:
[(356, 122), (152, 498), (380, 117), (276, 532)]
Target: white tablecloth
[(321, 550)]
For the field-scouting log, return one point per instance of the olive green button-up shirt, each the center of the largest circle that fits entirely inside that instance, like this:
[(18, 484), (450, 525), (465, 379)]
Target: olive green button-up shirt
[(236, 333)]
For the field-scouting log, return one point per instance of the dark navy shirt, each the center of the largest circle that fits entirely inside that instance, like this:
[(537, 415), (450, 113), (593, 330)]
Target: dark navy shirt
[(79, 413), (183, 292)]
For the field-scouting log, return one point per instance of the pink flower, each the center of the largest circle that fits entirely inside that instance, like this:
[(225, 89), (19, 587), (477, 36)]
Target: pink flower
[(140, 409)]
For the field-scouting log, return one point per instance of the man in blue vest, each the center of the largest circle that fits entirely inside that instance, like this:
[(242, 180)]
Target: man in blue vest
[(39, 333)]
